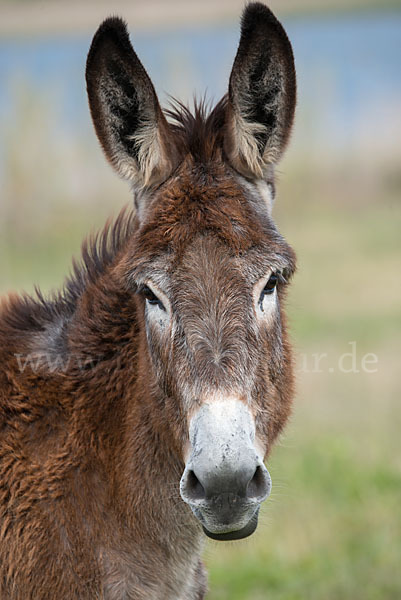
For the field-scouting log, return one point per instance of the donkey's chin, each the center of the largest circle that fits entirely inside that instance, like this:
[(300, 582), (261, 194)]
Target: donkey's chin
[(236, 534), (236, 530)]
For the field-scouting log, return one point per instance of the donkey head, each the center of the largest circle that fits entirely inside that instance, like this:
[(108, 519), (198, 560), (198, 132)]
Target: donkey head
[(206, 260)]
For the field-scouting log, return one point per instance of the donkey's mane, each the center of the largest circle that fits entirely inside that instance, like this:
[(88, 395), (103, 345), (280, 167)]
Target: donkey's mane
[(35, 311), (198, 132)]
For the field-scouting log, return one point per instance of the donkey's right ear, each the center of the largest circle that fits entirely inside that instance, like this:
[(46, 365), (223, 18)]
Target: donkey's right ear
[(124, 107)]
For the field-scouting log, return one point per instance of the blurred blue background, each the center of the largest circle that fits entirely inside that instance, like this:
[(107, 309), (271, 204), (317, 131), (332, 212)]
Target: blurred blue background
[(348, 71)]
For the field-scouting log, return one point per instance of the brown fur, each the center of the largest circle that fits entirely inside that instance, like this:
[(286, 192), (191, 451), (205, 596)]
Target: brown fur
[(93, 407)]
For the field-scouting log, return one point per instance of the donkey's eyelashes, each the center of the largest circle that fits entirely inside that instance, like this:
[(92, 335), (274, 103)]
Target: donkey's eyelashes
[(268, 289), (271, 284), (151, 297)]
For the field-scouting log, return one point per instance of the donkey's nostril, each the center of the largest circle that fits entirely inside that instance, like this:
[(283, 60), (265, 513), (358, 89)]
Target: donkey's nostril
[(260, 484), (192, 489)]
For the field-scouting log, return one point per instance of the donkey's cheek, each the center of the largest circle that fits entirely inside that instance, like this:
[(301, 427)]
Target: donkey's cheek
[(157, 334)]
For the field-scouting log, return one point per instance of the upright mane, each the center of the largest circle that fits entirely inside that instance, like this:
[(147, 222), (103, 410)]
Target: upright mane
[(198, 133), (34, 311)]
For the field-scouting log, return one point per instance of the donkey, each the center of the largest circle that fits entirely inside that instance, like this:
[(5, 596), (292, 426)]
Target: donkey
[(138, 404)]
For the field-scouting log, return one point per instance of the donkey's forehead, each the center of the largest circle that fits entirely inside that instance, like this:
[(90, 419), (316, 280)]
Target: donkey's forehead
[(207, 211), (207, 258), (204, 199)]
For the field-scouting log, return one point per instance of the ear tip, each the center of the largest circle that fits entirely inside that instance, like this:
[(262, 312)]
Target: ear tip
[(258, 21), (256, 9), (112, 24), (256, 13), (112, 30)]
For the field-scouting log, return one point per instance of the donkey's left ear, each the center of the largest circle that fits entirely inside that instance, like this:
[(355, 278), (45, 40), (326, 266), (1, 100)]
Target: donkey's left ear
[(262, 94), (125, 110)]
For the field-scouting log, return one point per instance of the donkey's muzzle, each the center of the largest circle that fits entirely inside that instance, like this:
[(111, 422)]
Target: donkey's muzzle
[(225, 480), (227, 515)]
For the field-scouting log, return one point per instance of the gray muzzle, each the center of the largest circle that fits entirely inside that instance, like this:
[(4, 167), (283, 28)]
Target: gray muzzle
[(225, 480)]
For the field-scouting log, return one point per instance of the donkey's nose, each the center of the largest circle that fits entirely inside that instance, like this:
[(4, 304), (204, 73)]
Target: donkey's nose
[(248, 481)]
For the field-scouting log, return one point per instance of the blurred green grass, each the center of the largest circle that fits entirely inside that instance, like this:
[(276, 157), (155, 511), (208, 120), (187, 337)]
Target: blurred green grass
[(332, 528)]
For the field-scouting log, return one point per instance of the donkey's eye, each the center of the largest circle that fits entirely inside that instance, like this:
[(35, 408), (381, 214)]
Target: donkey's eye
[(151, 298), (268, 289), (270, 285)]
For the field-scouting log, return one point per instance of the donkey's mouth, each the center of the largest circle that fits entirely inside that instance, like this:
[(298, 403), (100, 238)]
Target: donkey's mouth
[(239, 534)]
